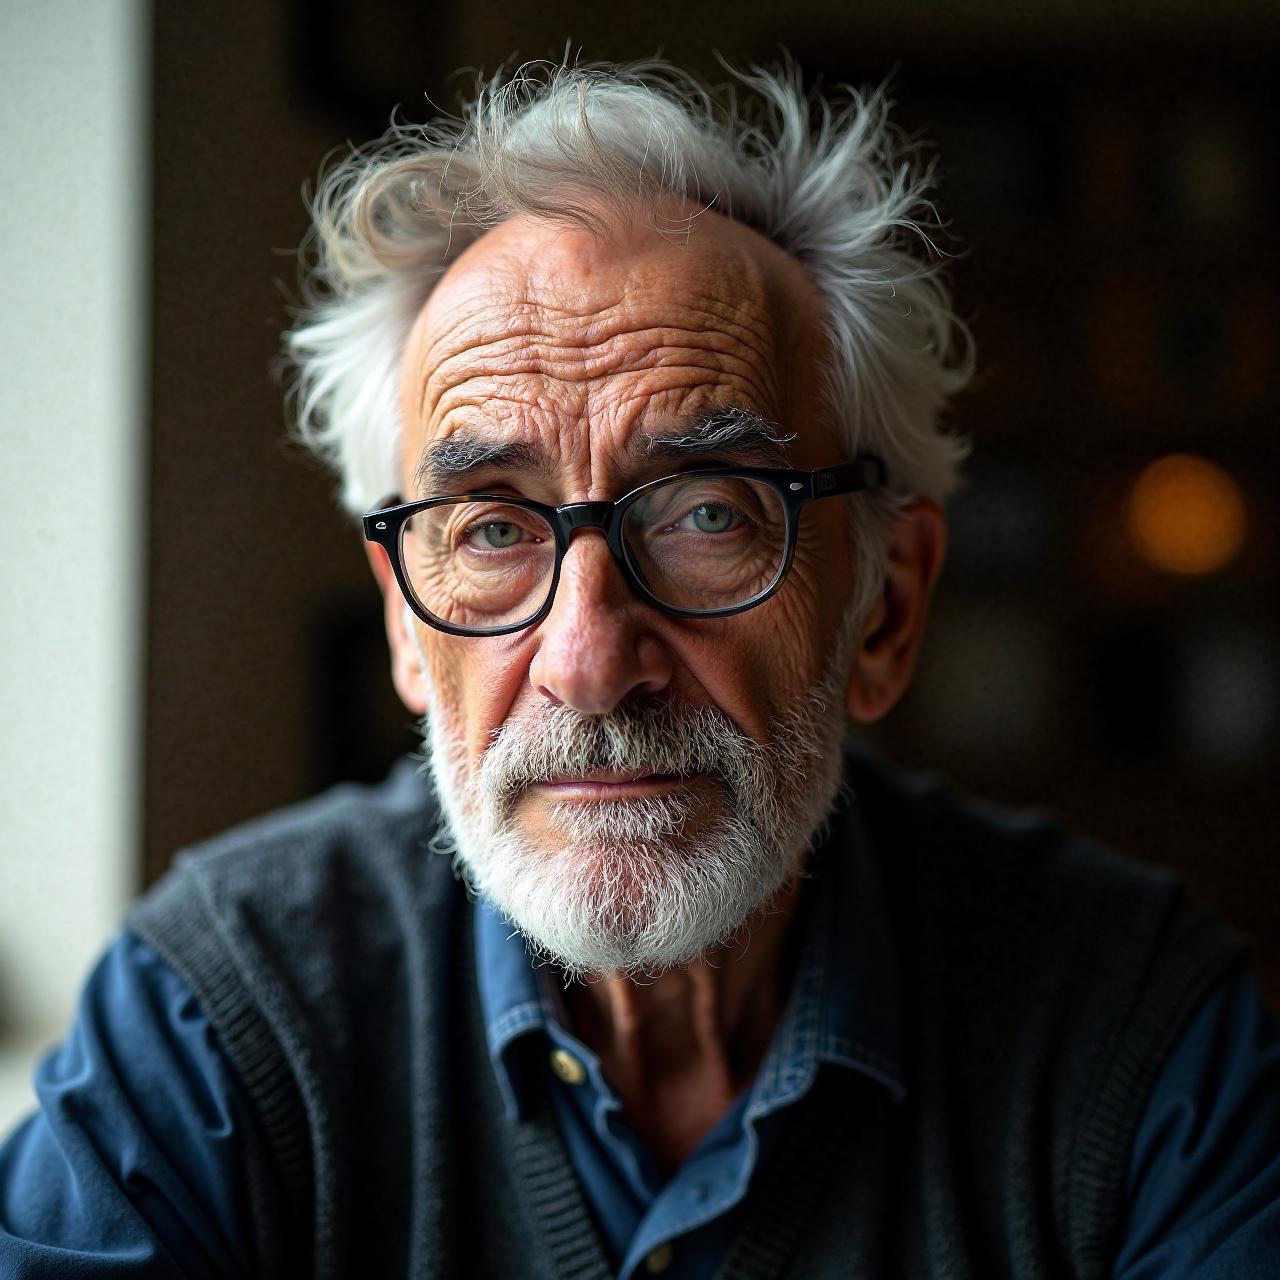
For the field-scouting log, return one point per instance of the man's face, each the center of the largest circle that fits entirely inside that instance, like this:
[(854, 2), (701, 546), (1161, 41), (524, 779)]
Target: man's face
[(575, 346)]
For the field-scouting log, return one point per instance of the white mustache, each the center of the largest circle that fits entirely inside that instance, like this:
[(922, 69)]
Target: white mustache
[(650, 737)]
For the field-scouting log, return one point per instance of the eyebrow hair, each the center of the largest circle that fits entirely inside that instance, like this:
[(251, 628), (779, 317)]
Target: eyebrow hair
[(728, 429), (447, 462)]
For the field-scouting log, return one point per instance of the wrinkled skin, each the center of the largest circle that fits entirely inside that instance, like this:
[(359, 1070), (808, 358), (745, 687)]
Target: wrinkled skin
[(574, 343)]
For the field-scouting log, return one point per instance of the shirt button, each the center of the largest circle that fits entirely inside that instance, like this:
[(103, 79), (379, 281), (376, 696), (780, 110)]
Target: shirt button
[(567, 1067), (656, 1261)]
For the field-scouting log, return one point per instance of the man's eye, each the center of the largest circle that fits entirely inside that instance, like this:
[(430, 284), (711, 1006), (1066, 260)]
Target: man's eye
[(711, 517), (495, 534)]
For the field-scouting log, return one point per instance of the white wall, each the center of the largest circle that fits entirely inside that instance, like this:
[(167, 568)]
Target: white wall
[(73, 222)]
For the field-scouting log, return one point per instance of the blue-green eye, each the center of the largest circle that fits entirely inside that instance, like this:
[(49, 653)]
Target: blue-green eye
[(713, 517), (499, 533)]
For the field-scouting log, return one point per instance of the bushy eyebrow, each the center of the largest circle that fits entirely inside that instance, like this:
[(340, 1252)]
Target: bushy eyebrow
[(747, 436), (447, 463)]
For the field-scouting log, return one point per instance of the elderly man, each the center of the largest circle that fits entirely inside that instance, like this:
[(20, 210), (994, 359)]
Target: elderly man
[(641, 398)]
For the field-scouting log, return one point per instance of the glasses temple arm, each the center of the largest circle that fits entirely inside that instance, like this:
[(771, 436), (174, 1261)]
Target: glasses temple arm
[(849, 477)]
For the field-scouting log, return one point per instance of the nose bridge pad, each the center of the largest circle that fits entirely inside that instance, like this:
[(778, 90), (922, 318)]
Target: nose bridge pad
[(585, 515)]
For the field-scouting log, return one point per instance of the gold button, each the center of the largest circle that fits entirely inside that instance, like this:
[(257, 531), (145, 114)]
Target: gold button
[(567, 1067), (658, 1260)]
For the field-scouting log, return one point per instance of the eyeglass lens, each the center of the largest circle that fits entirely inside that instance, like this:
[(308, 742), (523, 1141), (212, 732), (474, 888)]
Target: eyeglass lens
[(696, 543)]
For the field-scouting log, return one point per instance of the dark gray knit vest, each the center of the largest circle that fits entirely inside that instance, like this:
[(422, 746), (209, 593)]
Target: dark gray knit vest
[(1043, 983)]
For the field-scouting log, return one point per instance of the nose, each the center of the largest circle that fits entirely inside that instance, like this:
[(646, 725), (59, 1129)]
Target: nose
[(595, 648)]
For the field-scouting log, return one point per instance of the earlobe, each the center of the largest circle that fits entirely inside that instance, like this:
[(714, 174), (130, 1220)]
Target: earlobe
[(885, 657), (408, 668)]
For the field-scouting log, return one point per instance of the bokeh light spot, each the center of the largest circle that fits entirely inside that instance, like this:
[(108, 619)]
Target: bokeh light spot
[(1186, 515)]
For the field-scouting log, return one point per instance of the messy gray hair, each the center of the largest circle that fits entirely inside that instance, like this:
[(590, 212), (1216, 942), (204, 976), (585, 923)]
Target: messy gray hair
[(826, 181)]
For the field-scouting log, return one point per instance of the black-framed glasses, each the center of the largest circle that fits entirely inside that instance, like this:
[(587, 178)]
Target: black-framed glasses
[(705, 543)]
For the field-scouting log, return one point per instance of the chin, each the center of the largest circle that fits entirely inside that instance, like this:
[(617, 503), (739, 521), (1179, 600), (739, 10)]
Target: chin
[(643, 905)]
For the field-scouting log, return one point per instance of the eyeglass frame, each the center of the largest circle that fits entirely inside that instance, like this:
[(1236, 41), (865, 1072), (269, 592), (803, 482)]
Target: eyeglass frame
[(796, 489)]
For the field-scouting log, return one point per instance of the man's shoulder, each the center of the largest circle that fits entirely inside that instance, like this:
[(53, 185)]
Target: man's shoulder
[(314, 939), (350, 813), (1007, 920), (1011, 908), (319, 860), (968, 850)]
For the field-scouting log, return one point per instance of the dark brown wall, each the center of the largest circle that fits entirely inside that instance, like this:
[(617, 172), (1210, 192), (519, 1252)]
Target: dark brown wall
[(1118, 317)]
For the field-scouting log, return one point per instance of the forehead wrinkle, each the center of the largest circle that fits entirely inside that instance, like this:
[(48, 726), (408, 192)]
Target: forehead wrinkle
[(520, 327), (635, 352), (532, 419), (538, 330), (616, 442), (703, 320), (584, 432), (602, 412)]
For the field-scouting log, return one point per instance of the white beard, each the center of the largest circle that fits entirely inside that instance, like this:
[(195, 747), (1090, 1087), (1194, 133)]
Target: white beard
[(628, 890)]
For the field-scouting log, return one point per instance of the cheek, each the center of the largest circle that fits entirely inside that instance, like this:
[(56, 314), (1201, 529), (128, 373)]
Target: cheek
[(473, 684), (779, 651), (754, 666)]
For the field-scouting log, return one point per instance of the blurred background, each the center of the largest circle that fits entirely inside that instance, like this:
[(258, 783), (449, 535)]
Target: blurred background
[(191, 635)]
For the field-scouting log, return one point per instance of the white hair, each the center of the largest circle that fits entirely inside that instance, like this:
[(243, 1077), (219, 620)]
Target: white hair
[(827, 182)]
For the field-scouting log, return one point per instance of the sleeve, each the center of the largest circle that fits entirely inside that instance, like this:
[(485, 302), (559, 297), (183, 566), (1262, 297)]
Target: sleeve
[(1204, 1174), (130, 1165)]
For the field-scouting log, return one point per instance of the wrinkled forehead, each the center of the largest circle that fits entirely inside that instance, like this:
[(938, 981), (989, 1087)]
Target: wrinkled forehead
[(552, 312), (650, 266)]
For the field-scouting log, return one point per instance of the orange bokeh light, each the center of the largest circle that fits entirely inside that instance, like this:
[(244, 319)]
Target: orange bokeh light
[(1186, 515)]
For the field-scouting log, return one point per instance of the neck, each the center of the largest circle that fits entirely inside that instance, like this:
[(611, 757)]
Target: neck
[(681, 1047)]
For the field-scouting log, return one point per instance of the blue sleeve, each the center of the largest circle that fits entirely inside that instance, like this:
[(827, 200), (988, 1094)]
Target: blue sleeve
[(130, 1165), (1204, 1176)]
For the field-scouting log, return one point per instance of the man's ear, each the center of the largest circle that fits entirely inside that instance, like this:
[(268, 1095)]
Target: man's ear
[(885, 657), (407, 672)]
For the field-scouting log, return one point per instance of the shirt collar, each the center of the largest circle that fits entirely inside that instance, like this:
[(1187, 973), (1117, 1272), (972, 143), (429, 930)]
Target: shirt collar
[(512, 1001), (843, 1007)]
